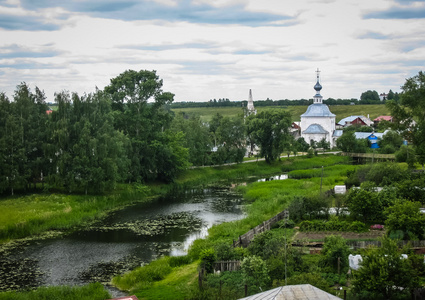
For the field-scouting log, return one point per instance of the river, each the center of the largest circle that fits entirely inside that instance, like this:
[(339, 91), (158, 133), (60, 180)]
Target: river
[(125, 239)]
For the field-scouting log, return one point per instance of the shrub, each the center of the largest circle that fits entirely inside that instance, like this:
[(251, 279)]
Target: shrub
[(334, 225), (357, 226), (208, 257)]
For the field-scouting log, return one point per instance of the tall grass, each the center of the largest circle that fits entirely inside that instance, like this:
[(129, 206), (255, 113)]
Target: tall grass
[(301, 163), (161, 279), (93, 291), (34, 214)]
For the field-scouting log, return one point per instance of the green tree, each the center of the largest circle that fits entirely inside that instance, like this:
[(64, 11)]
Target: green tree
[(347, 142), (390, 142), (409, 114), (390, 95), (255, 274), (406, 217), (142, 113), (270, 131), (364, 203), (231, 138), (370, 95), (30, 112), (196, 138), (214, 124), (334, 255), (89, 153), (325, 145), (12, 150), (406, 154), (302, 145), (385, 274)]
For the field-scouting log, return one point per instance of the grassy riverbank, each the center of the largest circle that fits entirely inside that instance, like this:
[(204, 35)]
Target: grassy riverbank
[(52, 213), (44, 213), (263, 199), (40, 213)]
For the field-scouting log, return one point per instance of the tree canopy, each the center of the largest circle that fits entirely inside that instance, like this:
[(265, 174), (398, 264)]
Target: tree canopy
[(270, 131), (409, 114)]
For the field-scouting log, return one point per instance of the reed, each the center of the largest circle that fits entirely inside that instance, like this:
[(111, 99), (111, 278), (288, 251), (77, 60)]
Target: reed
[(92, 291)]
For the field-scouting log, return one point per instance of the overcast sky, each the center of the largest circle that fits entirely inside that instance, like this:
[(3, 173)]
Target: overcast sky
[(206, 49)]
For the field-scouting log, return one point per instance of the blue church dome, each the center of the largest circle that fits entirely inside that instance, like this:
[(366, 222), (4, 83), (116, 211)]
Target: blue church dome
[(317, 87)]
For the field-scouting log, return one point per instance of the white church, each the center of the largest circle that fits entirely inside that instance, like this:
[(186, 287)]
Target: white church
[(318, 122)]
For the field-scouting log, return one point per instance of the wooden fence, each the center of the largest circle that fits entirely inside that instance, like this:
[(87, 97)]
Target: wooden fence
[(376, 156), (365, 244), (245, 239), (417, 246), (227, 265)]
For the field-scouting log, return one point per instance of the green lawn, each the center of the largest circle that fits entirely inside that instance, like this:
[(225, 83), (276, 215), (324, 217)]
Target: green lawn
[(341, 111)]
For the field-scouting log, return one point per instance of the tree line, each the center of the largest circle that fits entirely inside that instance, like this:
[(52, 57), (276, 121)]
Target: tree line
[(124, 133), (91, 142)]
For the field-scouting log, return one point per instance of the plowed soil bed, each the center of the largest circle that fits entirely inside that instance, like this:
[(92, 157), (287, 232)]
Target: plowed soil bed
[(320, 235)]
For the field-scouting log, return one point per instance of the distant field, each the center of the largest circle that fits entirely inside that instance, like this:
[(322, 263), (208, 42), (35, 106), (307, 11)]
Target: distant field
[(341, 111)]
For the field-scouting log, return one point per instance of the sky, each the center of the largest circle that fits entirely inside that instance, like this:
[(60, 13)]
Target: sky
[(211, 49)]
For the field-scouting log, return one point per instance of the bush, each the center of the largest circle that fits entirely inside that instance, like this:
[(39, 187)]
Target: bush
[(357, 226), (208, 257), (334, 225)]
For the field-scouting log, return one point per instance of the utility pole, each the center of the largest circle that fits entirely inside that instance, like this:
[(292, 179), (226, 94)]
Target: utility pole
[(286, 247)]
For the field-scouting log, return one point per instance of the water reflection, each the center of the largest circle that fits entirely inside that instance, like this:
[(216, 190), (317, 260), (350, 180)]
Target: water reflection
[(277, 177)]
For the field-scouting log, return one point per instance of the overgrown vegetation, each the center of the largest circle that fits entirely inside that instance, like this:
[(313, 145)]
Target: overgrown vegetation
[(92, 291)]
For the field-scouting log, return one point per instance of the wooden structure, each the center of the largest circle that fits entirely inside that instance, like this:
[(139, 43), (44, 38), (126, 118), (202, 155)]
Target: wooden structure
[(227, 265), (375, 156), (245, 240)]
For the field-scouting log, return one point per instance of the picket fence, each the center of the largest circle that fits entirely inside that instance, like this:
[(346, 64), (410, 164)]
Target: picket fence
[(227, 265)]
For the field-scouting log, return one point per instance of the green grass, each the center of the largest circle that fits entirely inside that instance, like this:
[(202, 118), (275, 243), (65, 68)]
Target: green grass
[(93, 291), (158, 280), (341, 111), (263, 201), (35, 214), (239, 171)]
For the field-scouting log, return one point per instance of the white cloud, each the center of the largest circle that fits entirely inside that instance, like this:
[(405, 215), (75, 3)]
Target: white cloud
[(213, 49)]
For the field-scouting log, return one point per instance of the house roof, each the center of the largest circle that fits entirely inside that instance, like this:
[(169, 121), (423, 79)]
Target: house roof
[(338, 133), (383, 118), (316, 129), (365, 135), (350, 119), (318, 110), (293, 292)]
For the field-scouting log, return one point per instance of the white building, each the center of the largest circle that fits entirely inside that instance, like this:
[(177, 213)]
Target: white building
[(318, 122), (250, 107)]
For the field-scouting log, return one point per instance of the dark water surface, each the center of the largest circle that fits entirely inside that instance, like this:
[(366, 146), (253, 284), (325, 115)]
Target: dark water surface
[(125, 239)]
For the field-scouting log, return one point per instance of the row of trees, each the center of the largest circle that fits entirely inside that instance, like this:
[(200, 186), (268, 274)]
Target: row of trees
[(124, 133), (225, 102), (93, 141)]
